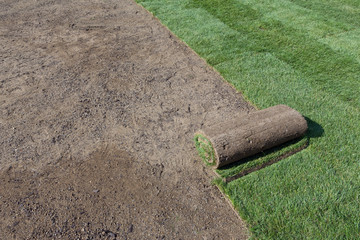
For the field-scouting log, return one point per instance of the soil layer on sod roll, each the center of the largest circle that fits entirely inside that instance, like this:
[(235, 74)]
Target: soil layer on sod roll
[(227, 142)]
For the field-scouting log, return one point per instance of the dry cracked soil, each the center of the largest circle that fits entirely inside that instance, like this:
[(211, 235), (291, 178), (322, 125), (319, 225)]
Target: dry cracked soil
[(98, 106)]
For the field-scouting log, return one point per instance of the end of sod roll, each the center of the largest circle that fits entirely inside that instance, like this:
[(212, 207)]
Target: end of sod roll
[(205, 149)]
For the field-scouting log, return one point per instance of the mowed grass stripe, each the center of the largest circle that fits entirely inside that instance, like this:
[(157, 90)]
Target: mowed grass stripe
[(307, 21), (346, 43), (315, 193), (337, 73), (317, 21), (346, 12)]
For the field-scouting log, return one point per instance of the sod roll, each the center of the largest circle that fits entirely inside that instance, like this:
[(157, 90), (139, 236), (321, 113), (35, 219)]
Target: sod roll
[(245, 135)]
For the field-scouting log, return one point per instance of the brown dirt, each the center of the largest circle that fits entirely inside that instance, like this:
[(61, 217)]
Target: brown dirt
[(98, 106)]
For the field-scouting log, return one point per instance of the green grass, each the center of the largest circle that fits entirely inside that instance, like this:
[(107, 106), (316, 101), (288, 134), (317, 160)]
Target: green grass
[(304, 54), (205, 149)]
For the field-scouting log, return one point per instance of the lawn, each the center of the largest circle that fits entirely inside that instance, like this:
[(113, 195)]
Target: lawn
[(305, 54)]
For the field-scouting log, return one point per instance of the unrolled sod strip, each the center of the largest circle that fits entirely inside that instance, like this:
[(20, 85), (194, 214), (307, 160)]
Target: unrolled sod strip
[(245, 135)]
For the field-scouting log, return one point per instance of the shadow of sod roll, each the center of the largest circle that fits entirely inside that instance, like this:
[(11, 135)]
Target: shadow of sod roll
[(226, 142)]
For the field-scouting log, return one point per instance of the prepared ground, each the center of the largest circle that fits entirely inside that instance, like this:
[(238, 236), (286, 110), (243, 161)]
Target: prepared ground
[(98, 106)]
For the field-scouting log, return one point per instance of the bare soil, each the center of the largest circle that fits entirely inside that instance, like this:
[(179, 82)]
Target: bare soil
[(98, 106)]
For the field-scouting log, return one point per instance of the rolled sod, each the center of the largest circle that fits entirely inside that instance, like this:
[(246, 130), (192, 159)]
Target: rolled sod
[(245, 135)]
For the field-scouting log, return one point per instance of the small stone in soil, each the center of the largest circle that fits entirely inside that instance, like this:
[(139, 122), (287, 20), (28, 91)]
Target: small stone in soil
[(131, 228)]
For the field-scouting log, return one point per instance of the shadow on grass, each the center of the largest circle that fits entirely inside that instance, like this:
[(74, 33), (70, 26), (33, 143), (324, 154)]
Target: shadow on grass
[(315, 130)]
